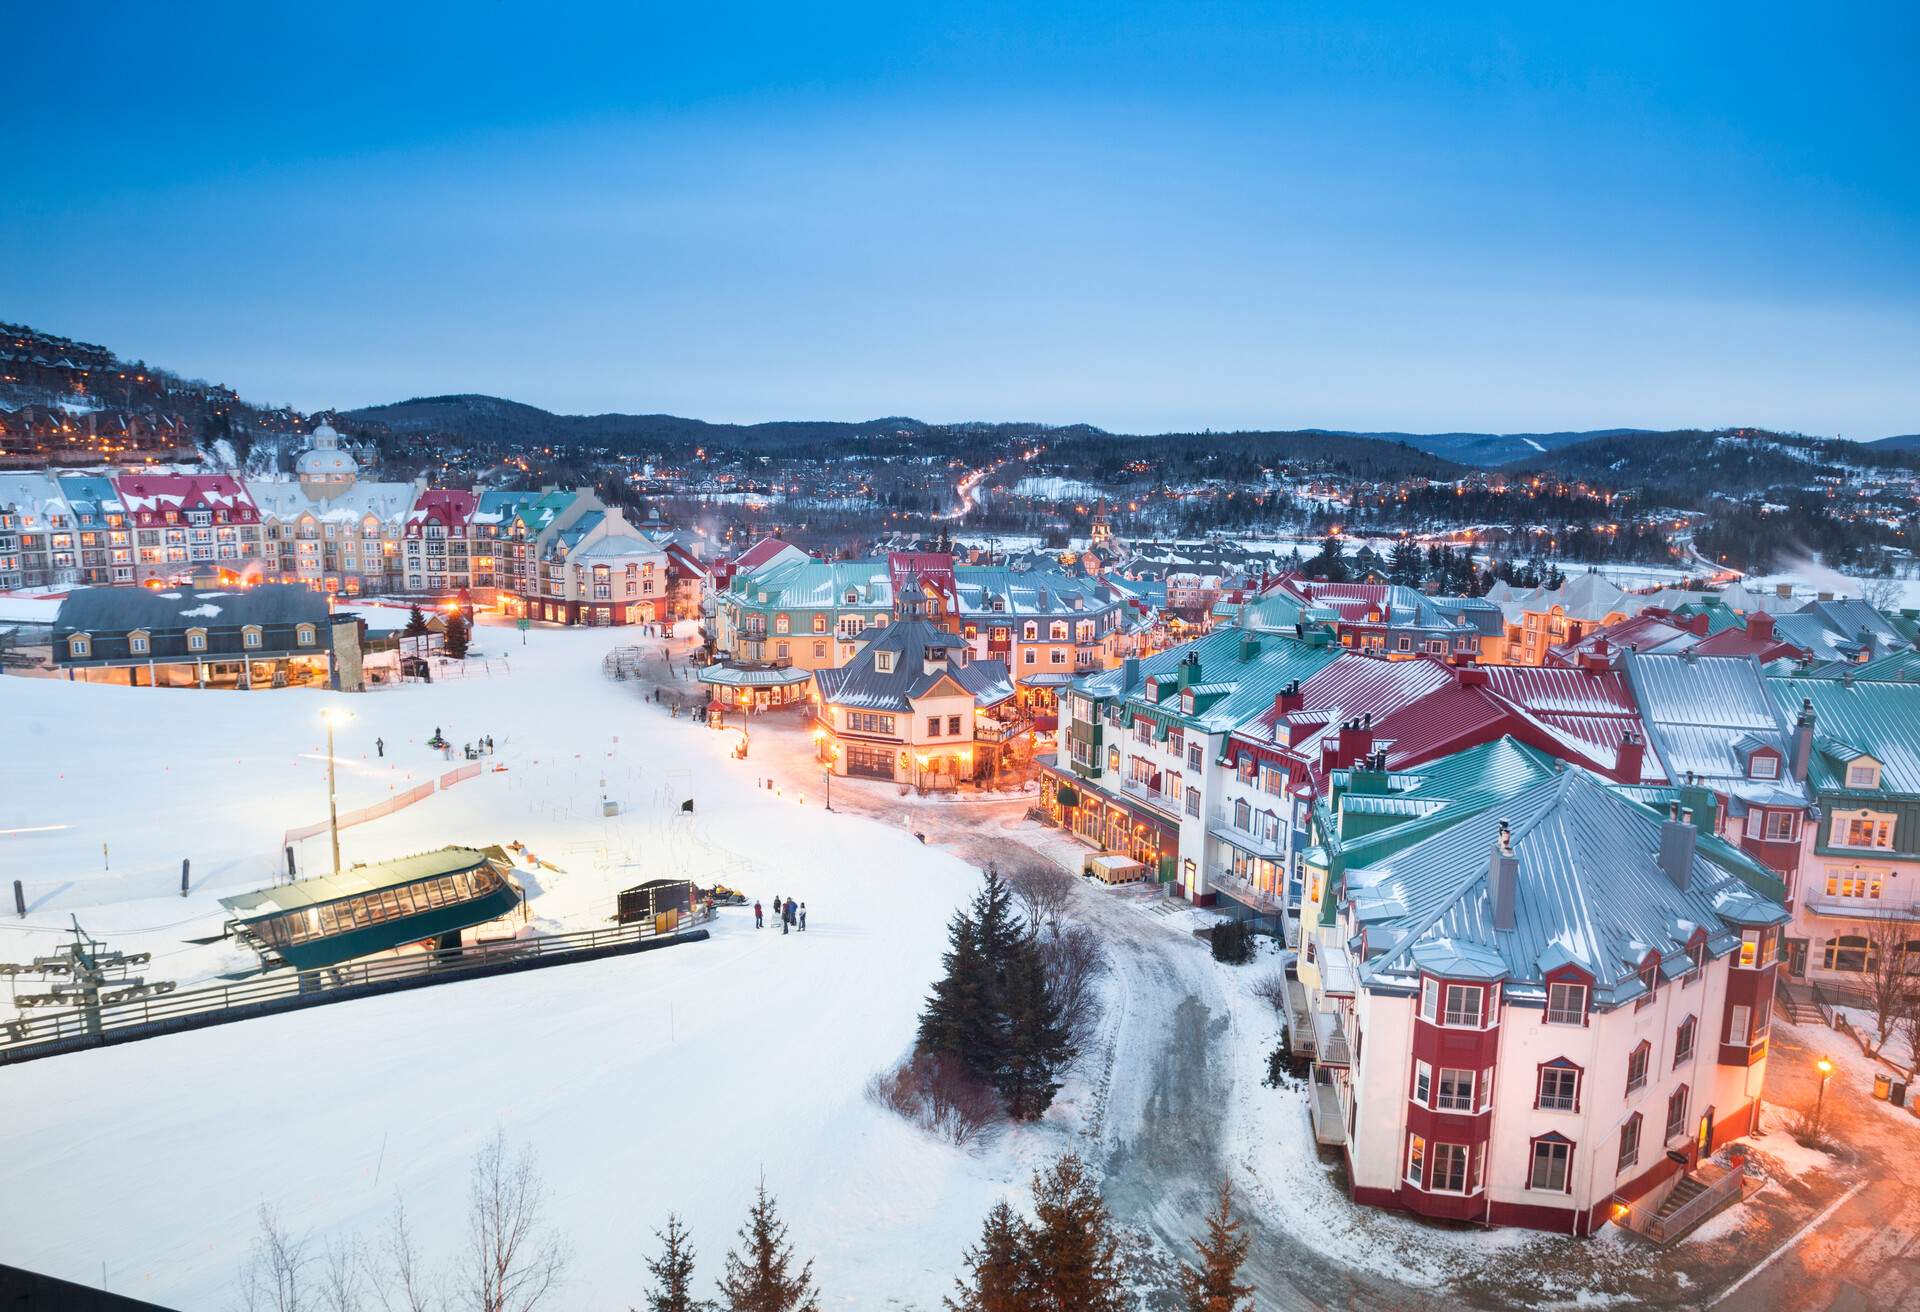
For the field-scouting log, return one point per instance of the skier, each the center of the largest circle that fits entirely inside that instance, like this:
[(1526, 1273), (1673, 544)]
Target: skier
[(380, 746), (803, 917), (759, 922), (489, 744)]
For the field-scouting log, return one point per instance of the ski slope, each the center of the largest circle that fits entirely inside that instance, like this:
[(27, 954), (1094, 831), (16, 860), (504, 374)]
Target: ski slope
[(668, 1080)]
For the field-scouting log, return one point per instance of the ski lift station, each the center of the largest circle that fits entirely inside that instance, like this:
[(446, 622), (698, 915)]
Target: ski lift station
[(327, 919)]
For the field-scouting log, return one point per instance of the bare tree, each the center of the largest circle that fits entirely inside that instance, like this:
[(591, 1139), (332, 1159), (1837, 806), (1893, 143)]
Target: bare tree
[(400, 1281), (275, 1276), (343, 1276), (1880, 591), (1892, 979), (1043, 890), (514, 1260), (1074, 959)]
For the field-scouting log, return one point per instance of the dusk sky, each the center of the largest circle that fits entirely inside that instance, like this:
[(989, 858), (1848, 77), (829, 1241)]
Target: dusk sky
[(1147, 217)]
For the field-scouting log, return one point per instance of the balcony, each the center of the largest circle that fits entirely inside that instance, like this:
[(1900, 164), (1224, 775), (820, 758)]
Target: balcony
[(1152, 796), (1863, 908), (988, 729), (1328, 1114), (1223, 828), (1330, 1039), (1252, 895), (1300, 1031)]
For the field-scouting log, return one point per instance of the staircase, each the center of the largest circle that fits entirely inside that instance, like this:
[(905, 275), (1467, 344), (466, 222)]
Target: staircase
[(1683, 1193)]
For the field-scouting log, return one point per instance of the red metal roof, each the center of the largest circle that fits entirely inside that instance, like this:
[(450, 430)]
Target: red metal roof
[(760, 553)]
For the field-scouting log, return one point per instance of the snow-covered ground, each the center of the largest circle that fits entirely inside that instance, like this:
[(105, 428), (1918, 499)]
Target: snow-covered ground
[(669, 1080)]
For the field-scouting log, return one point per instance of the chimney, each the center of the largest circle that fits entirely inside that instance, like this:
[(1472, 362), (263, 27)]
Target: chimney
[(1503, 879), (1802, 740), (1289, 698), (1628, 758), (1249, 644), (1356, 741), (1760, 625), (1698, 624), (1677, 839), (1594, 660), (1473, 676), (1130, 671), (1784, 591)]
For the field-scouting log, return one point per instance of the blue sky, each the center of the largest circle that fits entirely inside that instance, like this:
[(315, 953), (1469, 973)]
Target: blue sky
[(1147, 217)]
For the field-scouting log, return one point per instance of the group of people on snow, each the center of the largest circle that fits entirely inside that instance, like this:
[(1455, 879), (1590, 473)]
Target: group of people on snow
[(791, 915)]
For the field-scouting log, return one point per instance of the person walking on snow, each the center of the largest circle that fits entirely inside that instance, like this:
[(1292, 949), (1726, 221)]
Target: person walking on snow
[(380, 746), (786, 920), (803, 917), (759, 922)]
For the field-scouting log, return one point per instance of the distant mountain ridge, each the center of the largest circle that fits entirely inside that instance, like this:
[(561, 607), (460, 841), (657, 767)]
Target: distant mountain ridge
[(1902, 442), (491, 418)]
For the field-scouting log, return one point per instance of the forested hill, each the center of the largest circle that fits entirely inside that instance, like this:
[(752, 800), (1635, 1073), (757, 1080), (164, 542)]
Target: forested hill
[(494, 421), (1686, 467)]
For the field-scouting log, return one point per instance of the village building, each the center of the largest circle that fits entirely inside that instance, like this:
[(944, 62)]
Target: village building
[(1529, 998), (1139, 770), (597, 569), (272, 636), (329, 529), (1856, 745), (449, 546), (915, 707), (189, 526)]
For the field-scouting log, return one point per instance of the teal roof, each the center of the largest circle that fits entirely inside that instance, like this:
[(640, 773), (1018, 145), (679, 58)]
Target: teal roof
[(815, 585), (1877, 719), (1235, 676), (352, 882), (1591, 892)]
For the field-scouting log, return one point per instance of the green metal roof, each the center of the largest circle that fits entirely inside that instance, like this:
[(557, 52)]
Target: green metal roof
[(1239, 673), (318, 889), (1863, 718)]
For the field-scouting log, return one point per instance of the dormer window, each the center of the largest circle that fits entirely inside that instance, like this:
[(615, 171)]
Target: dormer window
[(1763, 765), (79, 645), (250, 636), (303, 635), (1650, 977), (139, 643), (1566, 1004), (883, 661), (196, 639), (1186, 702), (1863, 774)]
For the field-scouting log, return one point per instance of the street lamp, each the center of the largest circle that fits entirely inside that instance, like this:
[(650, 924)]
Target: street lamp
[(1825, 1067), (333, 715)]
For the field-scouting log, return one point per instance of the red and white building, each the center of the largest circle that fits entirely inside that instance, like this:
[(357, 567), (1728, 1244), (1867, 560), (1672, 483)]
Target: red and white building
[(1534, 1000), (188, 524)]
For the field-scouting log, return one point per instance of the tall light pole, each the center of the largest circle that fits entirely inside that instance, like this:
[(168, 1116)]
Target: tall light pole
[(1825, 1067), (331, 715)]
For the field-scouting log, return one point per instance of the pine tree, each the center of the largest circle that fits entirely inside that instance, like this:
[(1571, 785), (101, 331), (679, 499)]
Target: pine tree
[(1078, 1264), (672, 1272), (1214, 1286), (456, 635), (416, 623), (1036, 1039), (958, 1018), (1000, 1276), (759, 1277), (1404, 565)]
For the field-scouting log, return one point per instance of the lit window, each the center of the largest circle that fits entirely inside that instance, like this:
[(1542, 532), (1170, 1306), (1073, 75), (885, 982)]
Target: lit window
[(1416, 1161)]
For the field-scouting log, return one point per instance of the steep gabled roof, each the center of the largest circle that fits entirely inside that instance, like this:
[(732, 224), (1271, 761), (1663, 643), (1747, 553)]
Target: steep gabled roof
[(1876, 719), (911, 643), (1591, 892)]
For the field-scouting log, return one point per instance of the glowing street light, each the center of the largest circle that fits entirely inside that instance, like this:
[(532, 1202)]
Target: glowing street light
[(1825, 1067), (333, 715)]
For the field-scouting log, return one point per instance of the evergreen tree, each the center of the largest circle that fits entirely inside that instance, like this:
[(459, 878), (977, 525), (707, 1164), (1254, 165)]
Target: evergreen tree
[(1036, 1039), (1214, 1286), (759, 1274), (958, 1019), (456, 635), (1000, 1275), (1330, 564), (416, 623), (1404, 566), (672, 1272), (1078, 1263)]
